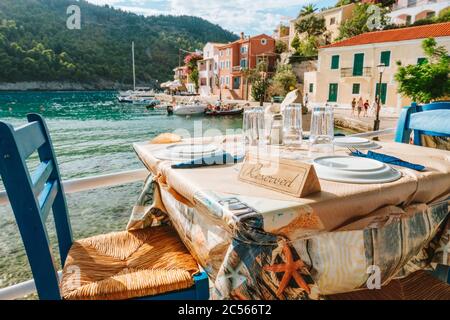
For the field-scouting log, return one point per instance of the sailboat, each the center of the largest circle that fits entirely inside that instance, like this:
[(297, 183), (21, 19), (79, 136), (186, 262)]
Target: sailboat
[(139, 95)]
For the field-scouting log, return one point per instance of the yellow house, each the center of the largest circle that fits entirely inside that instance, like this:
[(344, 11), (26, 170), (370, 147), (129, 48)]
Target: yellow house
[(350, 68)]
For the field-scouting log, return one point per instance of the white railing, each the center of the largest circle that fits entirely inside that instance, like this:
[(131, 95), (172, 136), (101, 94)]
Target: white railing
[(90, 183), (25, 288)]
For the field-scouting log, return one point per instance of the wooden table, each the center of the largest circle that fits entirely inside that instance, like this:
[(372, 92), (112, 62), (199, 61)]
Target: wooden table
[(258, 243)]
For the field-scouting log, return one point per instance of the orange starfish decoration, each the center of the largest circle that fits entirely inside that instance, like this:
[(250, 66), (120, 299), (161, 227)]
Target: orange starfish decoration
[(290, 270)]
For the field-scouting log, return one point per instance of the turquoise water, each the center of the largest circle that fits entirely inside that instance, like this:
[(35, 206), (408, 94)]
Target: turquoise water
[(92, 135)]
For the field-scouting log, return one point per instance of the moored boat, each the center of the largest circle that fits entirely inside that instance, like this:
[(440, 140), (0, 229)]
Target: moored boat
[(195, 108), (231, 112)]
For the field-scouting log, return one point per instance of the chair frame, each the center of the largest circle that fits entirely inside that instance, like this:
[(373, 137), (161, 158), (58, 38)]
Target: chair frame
[(403, 132), (32, 196)]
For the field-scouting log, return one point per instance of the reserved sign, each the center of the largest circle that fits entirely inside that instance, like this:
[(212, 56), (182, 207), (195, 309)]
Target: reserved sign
[(291, 177)]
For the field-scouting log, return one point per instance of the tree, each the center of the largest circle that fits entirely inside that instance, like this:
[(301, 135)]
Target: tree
[(283, 81), (363, 20), (280, 46), (309, 46), (259, 89), (429, 80), (295, 42), (312, 25), (307, 10)]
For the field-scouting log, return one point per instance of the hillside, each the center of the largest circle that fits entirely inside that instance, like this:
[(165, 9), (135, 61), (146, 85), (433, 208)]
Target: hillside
[(36, 45)]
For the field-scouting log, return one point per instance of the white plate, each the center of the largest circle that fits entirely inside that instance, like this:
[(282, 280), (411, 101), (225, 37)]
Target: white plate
[(186, 151), (354, 170), (350, 141)]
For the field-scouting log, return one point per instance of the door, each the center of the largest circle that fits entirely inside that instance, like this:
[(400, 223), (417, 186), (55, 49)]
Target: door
[(358, 63), (332, 92), (383, 91), (236, 82)]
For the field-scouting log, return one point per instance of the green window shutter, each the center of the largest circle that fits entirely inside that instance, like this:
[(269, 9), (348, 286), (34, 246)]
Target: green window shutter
[(335, 62), (385, 58), (311, 87), (332, 92), (383, 91), (355, 88), (421, 60), (358, 64)]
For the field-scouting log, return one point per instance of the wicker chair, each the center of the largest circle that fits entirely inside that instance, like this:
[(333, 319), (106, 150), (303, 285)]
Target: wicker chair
[(152, 263)]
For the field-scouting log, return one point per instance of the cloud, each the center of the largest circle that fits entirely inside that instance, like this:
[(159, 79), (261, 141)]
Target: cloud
[(250, 16)]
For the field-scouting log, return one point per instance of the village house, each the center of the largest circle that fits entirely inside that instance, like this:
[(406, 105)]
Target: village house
[(410, 11), (349, 69), (238, 56), (208, 69)]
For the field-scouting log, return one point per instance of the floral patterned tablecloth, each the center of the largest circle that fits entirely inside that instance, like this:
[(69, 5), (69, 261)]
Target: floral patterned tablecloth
[(259, 244)]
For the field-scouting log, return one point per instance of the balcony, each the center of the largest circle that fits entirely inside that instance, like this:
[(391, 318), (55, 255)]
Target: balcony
[(237, 68), (348, 72)]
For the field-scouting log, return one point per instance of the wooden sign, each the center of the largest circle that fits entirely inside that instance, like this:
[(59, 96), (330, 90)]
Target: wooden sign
[(291, 177)]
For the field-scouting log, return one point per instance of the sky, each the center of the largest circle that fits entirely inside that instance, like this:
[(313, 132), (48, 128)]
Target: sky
[(250, 16)]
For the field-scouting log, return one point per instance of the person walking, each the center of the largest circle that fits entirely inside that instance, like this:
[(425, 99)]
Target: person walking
[(353, 106), (374, 106), (366, 107), (360, 106)]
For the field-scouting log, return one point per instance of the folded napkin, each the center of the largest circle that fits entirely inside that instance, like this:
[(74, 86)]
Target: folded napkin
[(388, 159), (217, 159)]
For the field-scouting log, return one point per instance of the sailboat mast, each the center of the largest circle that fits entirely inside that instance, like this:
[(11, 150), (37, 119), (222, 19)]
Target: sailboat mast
[(134, 69)]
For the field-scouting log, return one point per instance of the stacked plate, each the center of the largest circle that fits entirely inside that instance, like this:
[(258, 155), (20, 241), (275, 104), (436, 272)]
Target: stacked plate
[(187, 151), (355, 143), (354, 170)]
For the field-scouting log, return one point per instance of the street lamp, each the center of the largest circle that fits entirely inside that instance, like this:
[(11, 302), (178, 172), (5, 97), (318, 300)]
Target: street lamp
[(376, 123)]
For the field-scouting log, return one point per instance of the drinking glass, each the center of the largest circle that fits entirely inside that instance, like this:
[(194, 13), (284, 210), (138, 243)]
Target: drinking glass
[(322, 130), (254, 127), (292, 127)]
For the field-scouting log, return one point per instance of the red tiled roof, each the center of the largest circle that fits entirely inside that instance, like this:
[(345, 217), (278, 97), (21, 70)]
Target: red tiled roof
[(419, 32)]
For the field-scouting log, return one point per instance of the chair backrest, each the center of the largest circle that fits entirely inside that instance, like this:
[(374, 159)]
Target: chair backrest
[(32, 196), (430, 119)]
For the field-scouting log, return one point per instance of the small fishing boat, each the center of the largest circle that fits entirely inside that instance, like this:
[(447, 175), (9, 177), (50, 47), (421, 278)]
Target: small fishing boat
[(195, 108), (231, 112)]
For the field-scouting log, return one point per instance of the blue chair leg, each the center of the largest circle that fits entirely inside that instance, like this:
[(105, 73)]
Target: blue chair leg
[(201, 286)]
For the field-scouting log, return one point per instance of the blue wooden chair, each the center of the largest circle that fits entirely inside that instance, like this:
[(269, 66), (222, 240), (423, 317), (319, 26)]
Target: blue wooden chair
[(153, 264), (431, 119)]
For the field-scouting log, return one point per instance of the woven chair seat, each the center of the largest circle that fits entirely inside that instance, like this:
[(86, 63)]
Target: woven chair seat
[(124, 265), (417, 286)]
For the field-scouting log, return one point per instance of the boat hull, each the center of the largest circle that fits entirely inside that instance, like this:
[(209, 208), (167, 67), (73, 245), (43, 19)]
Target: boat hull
[(186, 110)]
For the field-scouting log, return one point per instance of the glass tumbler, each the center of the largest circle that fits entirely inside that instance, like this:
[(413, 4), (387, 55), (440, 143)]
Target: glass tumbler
[(321, 136), (254, 127), (292, 126)]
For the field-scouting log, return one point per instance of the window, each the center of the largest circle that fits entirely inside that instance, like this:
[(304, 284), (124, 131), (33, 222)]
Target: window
[(335, 62), (228, 64), (332, 21), (421, 60), (215, 65), (385, 57), (311, 87), (244, 49), (355, 88), (227, 80), (408, 20), (228, 51), (263, 41), (236, 82), (358, 63), (430, 14), (243, 63), (221, 53)]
